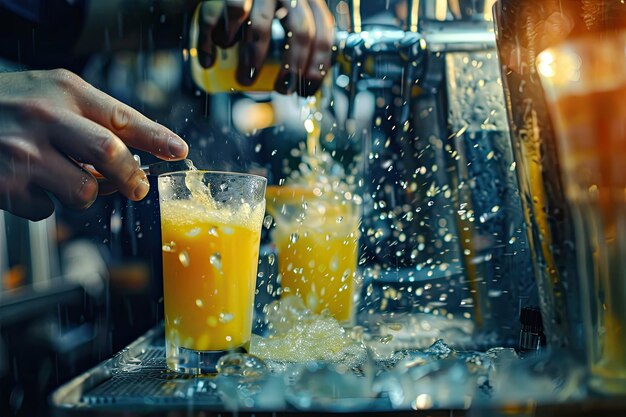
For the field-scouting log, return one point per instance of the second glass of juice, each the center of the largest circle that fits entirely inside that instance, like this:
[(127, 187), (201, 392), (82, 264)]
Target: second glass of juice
[(211, 228), (316, 238)]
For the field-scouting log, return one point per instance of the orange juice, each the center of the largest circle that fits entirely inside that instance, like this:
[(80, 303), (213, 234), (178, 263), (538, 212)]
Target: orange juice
[(317, 251), (210, 263), (221, 76)]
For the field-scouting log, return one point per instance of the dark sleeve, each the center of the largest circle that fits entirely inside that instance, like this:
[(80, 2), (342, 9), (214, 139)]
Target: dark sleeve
[(39, 32)]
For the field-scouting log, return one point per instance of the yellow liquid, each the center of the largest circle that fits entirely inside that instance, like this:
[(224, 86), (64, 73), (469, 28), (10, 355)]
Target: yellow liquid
[(209, 276), (317, 259), (221, 76)]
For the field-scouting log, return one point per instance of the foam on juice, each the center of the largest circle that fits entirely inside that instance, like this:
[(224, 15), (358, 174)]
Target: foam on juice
[(298, 335)]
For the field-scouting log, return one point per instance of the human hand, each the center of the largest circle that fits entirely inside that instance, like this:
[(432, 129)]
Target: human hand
[(52, 122), (310, 36)]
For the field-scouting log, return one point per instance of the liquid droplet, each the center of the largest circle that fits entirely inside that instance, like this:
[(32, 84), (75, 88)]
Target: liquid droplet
[(267, 221), (183, 257), (169, 247), (193, 232), (225, 317), (294, 237), (242, 364), (216, 260)]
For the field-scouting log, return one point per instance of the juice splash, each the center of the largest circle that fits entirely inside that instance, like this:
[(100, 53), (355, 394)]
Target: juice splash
[(317, 252), (298, 335), (210, 259), (317, 229)]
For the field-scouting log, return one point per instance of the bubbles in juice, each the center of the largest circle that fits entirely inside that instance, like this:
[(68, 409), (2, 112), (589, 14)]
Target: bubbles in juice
[(317, 231), (210, 259)]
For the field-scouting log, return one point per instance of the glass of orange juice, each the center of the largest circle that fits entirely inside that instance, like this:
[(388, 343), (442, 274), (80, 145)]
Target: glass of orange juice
[(211, 228), (316, 238)]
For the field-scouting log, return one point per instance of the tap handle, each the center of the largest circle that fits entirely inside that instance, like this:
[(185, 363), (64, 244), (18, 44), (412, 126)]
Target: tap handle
[(353, 52), (411, 48)]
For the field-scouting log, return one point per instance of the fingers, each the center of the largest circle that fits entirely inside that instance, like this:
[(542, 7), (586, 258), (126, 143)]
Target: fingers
[(235, 13), (31, 203), (133, 128), (87, 141), (255, 41), (208, 16), (74, 187), (299, 27), (320, 56)]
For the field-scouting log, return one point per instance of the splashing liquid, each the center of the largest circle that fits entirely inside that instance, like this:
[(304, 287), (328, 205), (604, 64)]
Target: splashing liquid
[(320, 264), (298, 335)]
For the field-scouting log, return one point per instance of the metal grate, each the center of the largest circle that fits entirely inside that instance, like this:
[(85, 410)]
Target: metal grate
[(145, 379)]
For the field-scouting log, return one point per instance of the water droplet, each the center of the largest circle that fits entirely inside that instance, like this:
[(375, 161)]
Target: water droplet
[(213, 232), (183, 257), (267, 221), (169, 247), (271, 258), (193, 232), (494, 293), (242, 364), (339, 219), (199, 303), (216, 260), (294, 237), (386, 339), (225, 317)]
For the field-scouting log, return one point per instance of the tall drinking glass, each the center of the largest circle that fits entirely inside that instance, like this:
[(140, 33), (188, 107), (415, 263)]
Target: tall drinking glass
[(585, 84), (211, 228), (317, 237)]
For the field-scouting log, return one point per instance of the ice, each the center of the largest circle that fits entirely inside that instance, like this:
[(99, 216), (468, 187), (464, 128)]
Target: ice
[(242, 364), (439, 350), (244, 382), (546, 377), (330, 387)]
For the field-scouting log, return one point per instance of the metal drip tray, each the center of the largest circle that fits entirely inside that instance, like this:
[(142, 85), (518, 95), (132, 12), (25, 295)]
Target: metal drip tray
[(137, 381)]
